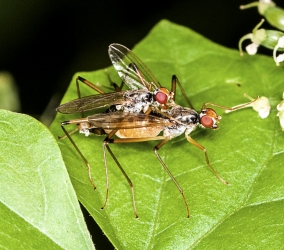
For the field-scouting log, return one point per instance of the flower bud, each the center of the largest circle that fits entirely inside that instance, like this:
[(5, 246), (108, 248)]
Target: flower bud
[(271, 39), (267, 8), (252, 48)]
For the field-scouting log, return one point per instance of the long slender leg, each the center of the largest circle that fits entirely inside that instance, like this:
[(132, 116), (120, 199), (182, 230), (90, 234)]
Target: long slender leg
[(113, 84), (206, 157), (80, 153), (106, 147), (156, 148), (89, 84), (70, 133), (228, 109), (175, 81)]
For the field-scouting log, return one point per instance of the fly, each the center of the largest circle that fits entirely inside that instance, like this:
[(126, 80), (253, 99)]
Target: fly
[(145, 92), (145, 112), (141, 127)]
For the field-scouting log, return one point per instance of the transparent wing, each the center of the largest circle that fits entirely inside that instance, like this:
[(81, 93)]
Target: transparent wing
[(122, 120), (92, 102), (131, 69)]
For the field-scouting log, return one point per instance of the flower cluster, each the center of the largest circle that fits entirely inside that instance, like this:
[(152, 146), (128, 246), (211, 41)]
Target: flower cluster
[(267, 8), (271, 39)]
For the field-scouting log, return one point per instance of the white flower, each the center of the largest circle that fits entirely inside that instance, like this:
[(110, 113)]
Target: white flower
[(279, 59), (280, 44), (252, 48), (260, 105)]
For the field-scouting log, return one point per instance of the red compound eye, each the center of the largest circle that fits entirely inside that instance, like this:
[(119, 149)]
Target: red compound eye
[(206, 121), (161, 97)]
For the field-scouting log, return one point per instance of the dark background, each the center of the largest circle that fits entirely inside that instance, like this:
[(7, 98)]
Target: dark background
[(43, 43)]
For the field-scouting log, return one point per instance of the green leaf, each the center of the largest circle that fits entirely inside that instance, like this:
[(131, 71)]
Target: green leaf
[(39, 208), (246, 150), (9, 97)]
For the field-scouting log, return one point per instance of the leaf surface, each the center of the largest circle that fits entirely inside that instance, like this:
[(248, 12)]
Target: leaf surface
[(39, 208), (246, 150)]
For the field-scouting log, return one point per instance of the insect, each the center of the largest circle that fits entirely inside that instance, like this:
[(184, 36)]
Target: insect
[(123, 125), (145, 94), (140, 127)]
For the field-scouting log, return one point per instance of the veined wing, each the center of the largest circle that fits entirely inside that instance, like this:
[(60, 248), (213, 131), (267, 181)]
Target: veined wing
[(131, 69), (123, 120), (92, 102)]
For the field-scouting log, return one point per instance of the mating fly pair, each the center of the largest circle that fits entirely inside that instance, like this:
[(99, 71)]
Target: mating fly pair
[(145, 112)]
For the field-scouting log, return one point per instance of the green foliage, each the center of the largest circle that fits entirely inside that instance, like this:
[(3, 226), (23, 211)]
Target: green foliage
[(9, 97), (247, 151), (39, 208)]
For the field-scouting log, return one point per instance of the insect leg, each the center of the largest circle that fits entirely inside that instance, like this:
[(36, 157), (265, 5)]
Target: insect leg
[(79, 152), (70, 133), (229, 109), (113, 84), (206, 157), (122, 140), (156, 148), (175, 82), (89, 84), (106, 146)]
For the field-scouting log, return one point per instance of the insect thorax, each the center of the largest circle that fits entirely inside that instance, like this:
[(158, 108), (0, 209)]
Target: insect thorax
[(137, 101), (183, 118), (186, 116)]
